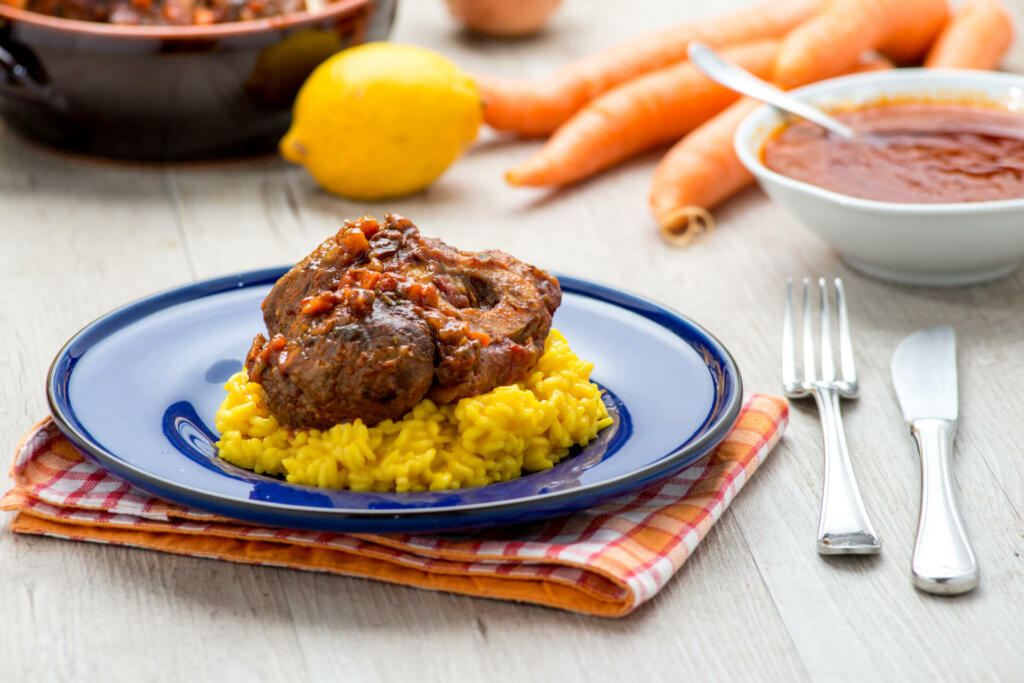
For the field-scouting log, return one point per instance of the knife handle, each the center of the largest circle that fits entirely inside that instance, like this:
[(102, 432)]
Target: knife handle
[(944, 561), (844, 527)]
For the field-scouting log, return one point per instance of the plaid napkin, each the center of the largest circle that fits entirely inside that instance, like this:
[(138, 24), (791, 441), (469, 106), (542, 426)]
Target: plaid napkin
[(605, 561)]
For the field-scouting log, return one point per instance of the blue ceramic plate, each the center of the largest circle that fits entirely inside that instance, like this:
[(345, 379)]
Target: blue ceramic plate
[(137, 391)]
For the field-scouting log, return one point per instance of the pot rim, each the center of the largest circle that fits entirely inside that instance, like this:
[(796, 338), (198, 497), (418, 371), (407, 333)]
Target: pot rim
[(189, 32)]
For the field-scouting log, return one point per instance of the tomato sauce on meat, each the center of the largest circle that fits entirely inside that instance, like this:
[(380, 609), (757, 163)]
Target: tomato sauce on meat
[(917, 152), (378, 318)]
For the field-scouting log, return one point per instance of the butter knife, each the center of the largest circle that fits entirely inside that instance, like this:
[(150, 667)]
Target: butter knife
[(924, 374)]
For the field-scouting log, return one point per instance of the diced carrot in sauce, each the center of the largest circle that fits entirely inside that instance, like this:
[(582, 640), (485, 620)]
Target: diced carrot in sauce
[(368, 278), (388, 282), (204, 16), (429, 296), (368, 225), (481, 337), (359, 300), (312, 305), (277, 344), (354, 242)]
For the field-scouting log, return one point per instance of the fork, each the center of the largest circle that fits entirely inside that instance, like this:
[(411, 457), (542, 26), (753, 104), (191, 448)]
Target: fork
[(844, 527)]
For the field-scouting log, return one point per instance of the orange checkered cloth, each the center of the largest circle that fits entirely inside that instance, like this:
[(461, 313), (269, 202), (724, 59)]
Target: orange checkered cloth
[(605, 561)]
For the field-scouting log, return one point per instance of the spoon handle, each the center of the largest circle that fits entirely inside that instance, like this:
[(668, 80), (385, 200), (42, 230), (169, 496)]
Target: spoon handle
[(744, 82)]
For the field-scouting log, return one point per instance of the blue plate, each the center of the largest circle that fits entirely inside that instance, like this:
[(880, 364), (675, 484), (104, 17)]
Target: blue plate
[(137, 391)]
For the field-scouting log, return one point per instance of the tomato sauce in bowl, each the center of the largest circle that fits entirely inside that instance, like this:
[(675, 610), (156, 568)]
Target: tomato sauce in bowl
[(909, 152)]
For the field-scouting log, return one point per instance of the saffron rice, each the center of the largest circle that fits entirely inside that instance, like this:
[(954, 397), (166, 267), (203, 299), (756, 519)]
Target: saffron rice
[(479, 440)]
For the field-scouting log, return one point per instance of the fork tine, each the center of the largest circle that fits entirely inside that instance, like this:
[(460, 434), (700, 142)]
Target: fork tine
[(788, 340), (808, 334), (828, 367), (849, 369)]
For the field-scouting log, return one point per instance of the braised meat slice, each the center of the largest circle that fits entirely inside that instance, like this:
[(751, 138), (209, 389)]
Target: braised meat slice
[(378, 317)]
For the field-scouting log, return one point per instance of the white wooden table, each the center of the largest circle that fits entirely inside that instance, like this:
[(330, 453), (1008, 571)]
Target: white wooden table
[(82, 236)]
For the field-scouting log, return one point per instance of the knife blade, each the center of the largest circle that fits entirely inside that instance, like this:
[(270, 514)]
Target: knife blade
[(925, 377), (924, 374)]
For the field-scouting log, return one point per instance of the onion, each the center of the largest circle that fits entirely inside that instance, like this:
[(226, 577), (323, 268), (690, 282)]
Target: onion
[(503, 18)]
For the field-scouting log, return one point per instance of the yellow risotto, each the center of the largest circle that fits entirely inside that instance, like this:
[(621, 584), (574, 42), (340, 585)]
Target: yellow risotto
[(480, 440)]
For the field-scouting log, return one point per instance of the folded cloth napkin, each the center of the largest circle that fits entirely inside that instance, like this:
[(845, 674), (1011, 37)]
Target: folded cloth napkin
[(605, 561)]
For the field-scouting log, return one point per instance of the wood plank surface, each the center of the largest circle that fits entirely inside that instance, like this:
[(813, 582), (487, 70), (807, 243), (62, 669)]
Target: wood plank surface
[(755, 602)]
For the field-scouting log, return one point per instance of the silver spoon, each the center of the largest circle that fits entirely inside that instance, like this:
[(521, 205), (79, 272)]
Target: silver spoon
[(746, 83)]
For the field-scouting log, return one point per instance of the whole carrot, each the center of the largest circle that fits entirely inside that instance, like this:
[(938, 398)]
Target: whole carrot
[(977, 37), (697, 173), (702, 169), (653, 109), (832, 41), (536, 107)]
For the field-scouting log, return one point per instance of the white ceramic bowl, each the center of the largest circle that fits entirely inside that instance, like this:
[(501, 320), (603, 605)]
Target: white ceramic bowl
[(921, 244)]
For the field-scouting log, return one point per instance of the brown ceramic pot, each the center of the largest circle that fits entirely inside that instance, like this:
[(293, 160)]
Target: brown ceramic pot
[(169, 92)]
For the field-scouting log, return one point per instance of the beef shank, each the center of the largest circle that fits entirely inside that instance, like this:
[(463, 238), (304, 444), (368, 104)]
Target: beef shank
[(378, 317)]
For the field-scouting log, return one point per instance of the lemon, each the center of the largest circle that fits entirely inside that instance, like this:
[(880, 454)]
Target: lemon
[(382, 120)]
